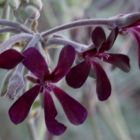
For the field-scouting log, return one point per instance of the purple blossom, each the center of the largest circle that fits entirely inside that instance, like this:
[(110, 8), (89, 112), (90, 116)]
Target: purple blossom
[(134, 29), (10, 58), (77, 76), (44, 83)]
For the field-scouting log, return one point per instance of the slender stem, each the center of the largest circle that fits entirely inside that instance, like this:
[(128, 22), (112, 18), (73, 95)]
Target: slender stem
[(9, 29), (90, 101), (6, 10), (85, 22), (62, 41), (41, 128), (32, 129), (113, 105), (14, 39), (5, 15), (96, 130), (15, 25), (120, 21), (33, 41)]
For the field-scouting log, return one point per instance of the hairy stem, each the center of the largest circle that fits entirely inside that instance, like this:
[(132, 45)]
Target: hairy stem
[(32, 129), (14, 39), (62, 41), (9, 29), (19, 26), (120, 21), (85, 22), (6, 10)]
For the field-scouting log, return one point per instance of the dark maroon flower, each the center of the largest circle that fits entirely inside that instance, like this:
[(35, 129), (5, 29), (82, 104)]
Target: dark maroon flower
[(134, 29), (10, 58), (44, 83), (77, 76)]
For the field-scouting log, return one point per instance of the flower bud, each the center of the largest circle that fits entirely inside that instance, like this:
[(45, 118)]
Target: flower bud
[(14, 4), (37, 3), (26, 13), (32, 12)]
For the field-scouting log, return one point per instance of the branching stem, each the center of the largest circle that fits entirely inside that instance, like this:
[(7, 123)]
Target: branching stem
[(120, 21), (15, 25), (62, 41)]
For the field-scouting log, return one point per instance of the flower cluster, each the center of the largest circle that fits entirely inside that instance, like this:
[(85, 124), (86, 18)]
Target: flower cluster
[(88, 59), (44, 83), (91, 60)]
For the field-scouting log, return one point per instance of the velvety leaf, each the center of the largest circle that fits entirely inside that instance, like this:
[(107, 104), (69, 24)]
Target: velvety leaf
[(75, 112), (20, 109), (10, 58), (103, 86), (98, 37), (110, 40), (77, 76), (119, 60), (52, 124), (65, 62), (35, 62)]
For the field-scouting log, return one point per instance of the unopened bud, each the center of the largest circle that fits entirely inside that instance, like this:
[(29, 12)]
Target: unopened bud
[(14, 4), (32, 12), (37, 3), (27, 13)]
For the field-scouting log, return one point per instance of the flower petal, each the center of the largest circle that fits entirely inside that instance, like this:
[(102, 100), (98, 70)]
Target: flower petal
[(98, 37), (65, 62), (137, 37), (110, 40), (20, 109), (77, 76), (103, 86), (119, 60), (53, 125), (75, 112), (10, 58), (35, 62)]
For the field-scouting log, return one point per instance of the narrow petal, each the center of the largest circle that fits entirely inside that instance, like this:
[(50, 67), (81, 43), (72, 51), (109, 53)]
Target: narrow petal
[(20, 109), (35, 62), (10, 58), (137, 37), (52, 124), (77, 76), (65, 62), (98, 37), (110, 40), (119, 60), (103, 86), (75, 112)]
